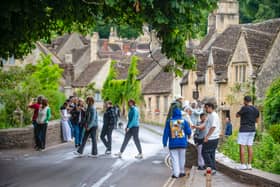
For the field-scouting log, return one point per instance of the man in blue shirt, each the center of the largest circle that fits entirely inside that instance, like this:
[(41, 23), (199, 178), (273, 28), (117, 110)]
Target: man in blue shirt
[(228, 130)]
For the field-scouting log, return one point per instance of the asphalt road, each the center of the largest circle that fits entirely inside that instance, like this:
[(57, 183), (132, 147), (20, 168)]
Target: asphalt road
[(59, 167)]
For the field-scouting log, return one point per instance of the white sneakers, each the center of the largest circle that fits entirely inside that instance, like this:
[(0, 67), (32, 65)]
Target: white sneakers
[(139, 156), (244, 167), (77, 154)]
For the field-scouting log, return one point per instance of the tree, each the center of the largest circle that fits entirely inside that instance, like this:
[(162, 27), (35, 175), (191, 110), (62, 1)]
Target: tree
[(272, 104), (175, 21), (106, 90), (258, 10)]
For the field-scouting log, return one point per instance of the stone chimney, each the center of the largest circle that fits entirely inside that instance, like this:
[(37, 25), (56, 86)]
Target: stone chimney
[(94, 46), (113, 35), (226, 14)]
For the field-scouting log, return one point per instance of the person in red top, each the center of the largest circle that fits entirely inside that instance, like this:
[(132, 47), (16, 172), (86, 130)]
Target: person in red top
[(35, 105)]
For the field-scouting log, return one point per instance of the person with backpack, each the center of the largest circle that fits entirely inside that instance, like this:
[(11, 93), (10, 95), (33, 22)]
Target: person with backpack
[(90, 129), (109, 122), (42, 120), (249, 116), (176, 133)]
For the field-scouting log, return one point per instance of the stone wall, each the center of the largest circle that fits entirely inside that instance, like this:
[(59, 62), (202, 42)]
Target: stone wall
[(23, 137)]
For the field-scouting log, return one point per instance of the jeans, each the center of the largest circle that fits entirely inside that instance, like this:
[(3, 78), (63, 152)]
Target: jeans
[(36, 133), (72, 128), (92, 133), (134, 131), (208, 153), (107, 131), (178, 158), (42, 130), (77, 134)]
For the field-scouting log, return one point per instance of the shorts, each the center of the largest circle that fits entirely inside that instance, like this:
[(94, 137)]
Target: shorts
[(246, 138)]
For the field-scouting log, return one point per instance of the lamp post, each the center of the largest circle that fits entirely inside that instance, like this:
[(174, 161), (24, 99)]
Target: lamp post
[(196, 92)]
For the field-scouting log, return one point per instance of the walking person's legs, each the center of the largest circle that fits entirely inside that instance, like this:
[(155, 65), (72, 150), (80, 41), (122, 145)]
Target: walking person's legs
[(127, 137), (174, 154), (135, 134), (102, 136), (94, 151), (109, 136), (77, 134), (182, 160), (214, 144), (200, 160), (206, 154), (44, 132), (84, 141)]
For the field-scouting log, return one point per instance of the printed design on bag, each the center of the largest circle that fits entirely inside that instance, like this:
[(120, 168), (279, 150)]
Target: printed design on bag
[(177, 128)]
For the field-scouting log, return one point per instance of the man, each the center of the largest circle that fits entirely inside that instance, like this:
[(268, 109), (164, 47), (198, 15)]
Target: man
[(177, 103), (109, 122), (35, 106), (248, 118), (196, 111), (228, 130), (212, 130)]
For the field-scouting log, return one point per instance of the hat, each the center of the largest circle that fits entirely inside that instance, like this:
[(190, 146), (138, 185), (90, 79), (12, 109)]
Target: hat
[(178, 97), (186, 104)]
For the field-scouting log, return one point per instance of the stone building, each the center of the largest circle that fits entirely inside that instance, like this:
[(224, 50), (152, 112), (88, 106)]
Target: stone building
[(232, 58)]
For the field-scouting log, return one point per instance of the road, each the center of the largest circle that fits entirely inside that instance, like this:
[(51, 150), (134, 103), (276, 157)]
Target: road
[(59, 167)]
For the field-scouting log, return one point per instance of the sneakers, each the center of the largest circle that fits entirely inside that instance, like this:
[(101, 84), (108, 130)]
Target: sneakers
[(139, 156), (182, 175), (119, 155), (201, 168), (174, 177), (107, 152), (77, 153), (242, 167), (249, 167), (92, 156)]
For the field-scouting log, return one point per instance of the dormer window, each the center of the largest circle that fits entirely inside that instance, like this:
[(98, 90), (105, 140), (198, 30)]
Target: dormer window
[(240, 72)]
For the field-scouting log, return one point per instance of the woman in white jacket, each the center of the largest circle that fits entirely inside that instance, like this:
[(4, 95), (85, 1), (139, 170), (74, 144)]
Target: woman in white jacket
[(66, 130)]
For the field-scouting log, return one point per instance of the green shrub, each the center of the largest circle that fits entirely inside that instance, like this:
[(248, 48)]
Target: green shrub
[(55, 99), (274, 131)]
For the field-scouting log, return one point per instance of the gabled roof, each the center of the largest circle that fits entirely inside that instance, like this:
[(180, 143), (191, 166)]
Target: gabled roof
[(78, 53), (58, 43), (122, 70), (161, 84), (271, 26), (89, 73)]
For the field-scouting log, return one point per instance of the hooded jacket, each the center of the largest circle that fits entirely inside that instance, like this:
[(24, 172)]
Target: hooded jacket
[(176, 131)]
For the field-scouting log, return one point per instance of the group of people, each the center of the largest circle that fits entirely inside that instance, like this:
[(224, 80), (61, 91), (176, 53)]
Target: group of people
[(182, 118), (40, 120)]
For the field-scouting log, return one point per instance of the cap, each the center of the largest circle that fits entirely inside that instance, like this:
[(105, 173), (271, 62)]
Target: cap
[(178, 97)]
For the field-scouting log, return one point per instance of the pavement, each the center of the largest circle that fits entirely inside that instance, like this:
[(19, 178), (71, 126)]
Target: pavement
[(58, 166)]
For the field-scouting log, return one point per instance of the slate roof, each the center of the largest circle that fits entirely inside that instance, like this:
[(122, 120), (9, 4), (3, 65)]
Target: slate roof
[(88, 74), (161, 84), (122, 70), (78, 53), (114, 47)]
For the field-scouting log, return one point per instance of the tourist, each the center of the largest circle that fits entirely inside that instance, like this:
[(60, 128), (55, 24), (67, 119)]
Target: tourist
[(66, 130), (76, 118), (212, 127), (187, 115), (248, 118), (90, 129), (198, 140), (43, 118), (35, 104), (196, 111), (228, 129), (132, 129), (175, 133), (109, 121)]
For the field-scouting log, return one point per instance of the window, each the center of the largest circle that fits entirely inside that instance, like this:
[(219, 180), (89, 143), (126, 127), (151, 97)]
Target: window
[(166, 104), (150, 103), (157, 102), (240, 72)]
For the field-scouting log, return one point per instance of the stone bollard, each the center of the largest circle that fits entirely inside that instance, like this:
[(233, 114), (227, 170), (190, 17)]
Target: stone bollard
[(208, 177)]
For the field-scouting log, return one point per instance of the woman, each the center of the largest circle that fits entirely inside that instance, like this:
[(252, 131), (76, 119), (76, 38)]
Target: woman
[(132, 129), (90, 128), (43, 118), (66, 130)]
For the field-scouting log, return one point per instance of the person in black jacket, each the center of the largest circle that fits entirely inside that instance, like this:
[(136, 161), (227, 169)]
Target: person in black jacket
[(109, 121)]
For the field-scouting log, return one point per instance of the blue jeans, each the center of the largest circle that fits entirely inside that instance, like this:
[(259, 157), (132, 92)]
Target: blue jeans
[(77, 134), (72, 128)]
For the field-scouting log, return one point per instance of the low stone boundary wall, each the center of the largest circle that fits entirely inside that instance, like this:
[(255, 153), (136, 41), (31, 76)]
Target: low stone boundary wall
[(23, 137)]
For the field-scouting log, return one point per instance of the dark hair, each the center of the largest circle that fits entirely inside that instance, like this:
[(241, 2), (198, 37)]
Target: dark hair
[(90, 100), (202, 114), (109, 102), (211, 105), (44, 103), (247, 98), (131, 101), (39, 99)]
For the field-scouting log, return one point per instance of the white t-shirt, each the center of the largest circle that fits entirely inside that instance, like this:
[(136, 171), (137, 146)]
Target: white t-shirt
[(213, 121)]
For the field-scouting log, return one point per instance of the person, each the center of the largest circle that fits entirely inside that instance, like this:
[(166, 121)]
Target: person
[(211, 139), (35, 106), (198, 140), (175, 133), (66, 130), (228, 130), (76, 118), (196, 111), (249, 116), (109, 121), (132, 129), (118, 114), (187, 115), (44, 115), (90, 129), (177, 103)]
